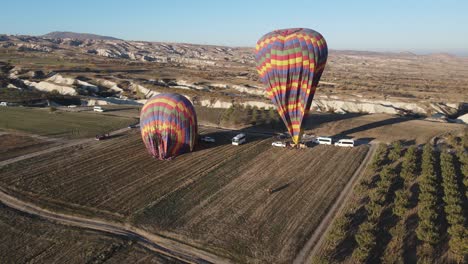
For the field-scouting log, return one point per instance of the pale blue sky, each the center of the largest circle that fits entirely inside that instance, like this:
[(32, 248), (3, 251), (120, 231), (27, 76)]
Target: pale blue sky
[(413, 25)]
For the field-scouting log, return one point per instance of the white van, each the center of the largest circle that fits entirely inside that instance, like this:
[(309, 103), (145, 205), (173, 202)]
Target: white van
[(345, 143), (239, 139), (324, 140), (98, 109)]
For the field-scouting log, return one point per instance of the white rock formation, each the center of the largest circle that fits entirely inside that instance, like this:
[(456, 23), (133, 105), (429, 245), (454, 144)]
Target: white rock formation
[(219, 85), (257, 104), (145, 91), (109, 85), (12, 86), (225, 105), (59, 79), (248, 90), (182, 84), (446, 109), (366, 106), (49, 87), (87, 86), (463, 119), (109, 101), (215, 103)]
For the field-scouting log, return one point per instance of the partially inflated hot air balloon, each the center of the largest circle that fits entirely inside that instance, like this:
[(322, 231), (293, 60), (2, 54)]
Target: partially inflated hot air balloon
[(168, 125), (290, 63)]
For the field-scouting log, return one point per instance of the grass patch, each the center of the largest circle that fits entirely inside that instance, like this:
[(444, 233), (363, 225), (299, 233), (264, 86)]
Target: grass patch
[(59, 124)]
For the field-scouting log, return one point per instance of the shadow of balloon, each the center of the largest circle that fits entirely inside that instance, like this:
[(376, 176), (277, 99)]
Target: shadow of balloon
[(224, 137), (269, 130), (381, 123), (315, 119)]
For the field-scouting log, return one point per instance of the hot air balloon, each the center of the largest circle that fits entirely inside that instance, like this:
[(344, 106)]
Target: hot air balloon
[(168, 125), (290, 63)]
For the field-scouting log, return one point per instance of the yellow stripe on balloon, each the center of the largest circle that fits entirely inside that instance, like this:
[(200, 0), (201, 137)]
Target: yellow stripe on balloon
[(296, 126)]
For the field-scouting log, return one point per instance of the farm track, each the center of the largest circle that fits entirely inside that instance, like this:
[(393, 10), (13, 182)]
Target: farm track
[(318, 237), (153, 242), (56, 148)]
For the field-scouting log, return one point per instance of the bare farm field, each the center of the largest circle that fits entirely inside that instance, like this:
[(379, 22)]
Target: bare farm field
[(379, 127), (59, 124), (33, 240), (12, 145), (216, 198)]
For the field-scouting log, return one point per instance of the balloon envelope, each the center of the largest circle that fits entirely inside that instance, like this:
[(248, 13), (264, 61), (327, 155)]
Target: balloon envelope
[(168, 125), (290, 63)]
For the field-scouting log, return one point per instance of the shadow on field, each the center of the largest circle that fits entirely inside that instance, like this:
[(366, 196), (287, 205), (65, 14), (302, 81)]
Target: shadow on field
[(312, 121), (363, 141), (373, 125), (119, 109), (224, 137), (277, 189), (410, 240), (115, 136)]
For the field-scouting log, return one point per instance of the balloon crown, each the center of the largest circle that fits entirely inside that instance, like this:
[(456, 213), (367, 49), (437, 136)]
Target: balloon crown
[(285, 32)]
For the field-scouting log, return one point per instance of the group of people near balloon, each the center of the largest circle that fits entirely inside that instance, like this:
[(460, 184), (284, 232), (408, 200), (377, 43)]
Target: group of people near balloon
[(290, 63)]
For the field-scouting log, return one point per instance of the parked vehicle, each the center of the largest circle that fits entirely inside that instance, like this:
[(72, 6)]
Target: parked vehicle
[(283, 136), (102, 136), (345, 143), (207, 139), (134, 126), (323, 140), (239, 139), (71, 106), (3, 103), (98, 109), (278, 144)]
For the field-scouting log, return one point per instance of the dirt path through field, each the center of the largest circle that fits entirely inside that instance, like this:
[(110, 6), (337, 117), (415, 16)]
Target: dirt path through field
[(318, 237), (153, 242), (67, 143)]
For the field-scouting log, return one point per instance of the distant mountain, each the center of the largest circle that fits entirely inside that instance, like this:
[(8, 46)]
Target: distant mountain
[(73, 35)]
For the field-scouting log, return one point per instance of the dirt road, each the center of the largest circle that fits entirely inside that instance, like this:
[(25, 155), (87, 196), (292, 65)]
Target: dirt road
[(319, 235), (65, 144), (153, 242)]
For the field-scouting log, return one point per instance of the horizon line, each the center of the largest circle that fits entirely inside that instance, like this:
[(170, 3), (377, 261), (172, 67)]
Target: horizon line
[(458, 52)]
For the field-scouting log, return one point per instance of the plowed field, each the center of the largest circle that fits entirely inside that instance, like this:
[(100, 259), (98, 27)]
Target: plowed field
[(216, 197)]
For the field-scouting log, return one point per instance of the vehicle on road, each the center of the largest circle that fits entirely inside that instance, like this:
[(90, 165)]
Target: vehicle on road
[(324, 140), (102, 136), (345, 143), (239, 139), (134, 126), (98, 109), (208, 139), (279, 144), (71, 106)]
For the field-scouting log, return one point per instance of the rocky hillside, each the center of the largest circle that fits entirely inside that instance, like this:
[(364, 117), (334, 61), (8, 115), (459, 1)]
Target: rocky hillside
[(84, 44), (103, 71), (73, 35)]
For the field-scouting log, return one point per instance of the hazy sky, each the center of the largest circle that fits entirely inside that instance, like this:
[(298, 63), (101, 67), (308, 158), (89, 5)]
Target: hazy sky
[(414, 25)]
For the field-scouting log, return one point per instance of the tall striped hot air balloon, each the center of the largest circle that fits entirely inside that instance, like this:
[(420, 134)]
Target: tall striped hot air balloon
[(290, 63), (168, 125)]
